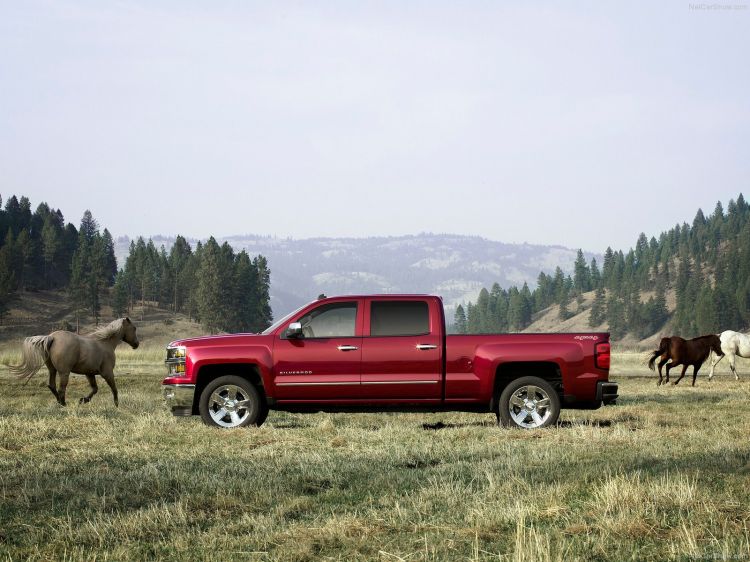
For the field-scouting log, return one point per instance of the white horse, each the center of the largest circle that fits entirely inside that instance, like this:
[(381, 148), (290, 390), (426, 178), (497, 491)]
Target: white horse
[(732, 344)]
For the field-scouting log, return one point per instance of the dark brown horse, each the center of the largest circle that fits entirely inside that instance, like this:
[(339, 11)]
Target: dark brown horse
[(684, 352)]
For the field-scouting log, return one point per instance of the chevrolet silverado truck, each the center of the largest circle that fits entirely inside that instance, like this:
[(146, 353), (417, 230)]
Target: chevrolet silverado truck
[(385, 353)]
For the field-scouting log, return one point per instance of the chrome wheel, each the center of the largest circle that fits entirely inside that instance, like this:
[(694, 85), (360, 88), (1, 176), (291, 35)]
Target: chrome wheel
[(529, 406), (229, 405)]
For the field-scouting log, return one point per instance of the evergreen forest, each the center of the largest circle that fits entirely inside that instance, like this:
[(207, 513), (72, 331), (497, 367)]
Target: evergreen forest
[(703, 266), (224, 290)]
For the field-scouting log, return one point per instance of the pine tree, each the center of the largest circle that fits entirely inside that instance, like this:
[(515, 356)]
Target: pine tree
[(472, 319), (459, 320), (483, 307), (245, 285), (50, 246), (564, 312), (110, 262), (706, 317), (7, 279), (519, 310), (598, 308), (78, 286), (596, 276), (607, 268), (264, 315), (581, 274), (616, 317), (120, 295), (179, 256), (495, 321), (89, 226), (25, 253), (211, 290)]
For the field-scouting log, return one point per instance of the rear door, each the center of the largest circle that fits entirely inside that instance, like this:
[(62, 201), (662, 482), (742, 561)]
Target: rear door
[(402, 349), (324, 364)]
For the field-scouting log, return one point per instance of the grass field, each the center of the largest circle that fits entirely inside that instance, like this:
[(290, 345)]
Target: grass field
[(665, 474)]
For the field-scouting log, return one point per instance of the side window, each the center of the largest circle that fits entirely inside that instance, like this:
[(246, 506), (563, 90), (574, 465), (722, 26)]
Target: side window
[(336, 320), (399, 318)]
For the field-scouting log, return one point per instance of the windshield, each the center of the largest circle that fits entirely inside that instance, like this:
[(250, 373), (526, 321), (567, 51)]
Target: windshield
[(284, 320)]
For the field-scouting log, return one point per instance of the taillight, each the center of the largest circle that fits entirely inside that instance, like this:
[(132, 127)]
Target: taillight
[(601, 355)]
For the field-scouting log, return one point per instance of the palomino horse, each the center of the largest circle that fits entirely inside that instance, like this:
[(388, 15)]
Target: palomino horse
[(684, 352), (66, 352), (732, 344)]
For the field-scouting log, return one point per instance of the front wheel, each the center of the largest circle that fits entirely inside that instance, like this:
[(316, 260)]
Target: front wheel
[(528, 403), (230, 402)]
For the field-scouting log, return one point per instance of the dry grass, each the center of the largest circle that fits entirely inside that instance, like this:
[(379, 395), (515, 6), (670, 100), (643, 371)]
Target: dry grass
[(663, 475)]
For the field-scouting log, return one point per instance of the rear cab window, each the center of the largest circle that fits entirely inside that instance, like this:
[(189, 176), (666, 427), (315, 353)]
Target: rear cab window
[(399, 318)]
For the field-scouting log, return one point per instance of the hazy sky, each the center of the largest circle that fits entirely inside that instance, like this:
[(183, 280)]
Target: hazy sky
[(579, 124)]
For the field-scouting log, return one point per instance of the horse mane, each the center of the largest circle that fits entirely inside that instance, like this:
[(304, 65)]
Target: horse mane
[(114, 328)]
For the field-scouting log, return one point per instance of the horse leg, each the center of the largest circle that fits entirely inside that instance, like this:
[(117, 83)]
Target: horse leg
[(110, 380), (682, 374), (661, 364), (94, 390), (669, 366), (733, 366), (63, 387), (695, 372), (714, 362), (52, 380)]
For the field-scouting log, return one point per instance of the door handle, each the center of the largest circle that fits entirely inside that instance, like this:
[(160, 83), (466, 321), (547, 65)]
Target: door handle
[(425, 346), (347, 348)]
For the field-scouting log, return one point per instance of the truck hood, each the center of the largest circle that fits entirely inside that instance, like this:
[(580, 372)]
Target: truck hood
[(222, 340)]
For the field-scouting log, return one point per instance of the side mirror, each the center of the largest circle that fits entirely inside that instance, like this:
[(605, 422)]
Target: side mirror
[(294, 330)]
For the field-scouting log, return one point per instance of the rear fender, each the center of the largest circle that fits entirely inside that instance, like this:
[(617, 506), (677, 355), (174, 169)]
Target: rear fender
[(568, 357)]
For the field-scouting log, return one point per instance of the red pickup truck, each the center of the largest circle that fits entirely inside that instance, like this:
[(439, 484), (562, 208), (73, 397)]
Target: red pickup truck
[(385, 352)]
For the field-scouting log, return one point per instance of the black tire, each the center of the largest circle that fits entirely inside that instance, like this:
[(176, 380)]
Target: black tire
[(532, 395), (239, 399)]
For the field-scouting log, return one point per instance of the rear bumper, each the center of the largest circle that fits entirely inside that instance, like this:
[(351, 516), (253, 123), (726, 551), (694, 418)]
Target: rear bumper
[(606, 392), (179, 398)]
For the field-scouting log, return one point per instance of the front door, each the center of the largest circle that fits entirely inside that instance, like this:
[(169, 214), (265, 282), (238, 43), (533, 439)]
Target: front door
[(323, 364)]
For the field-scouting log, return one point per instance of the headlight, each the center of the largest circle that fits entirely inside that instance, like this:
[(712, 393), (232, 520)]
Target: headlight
[(177, 352), (176, 361)]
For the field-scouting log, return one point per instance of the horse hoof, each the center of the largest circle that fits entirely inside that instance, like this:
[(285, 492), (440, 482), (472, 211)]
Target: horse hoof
[(83, 400)]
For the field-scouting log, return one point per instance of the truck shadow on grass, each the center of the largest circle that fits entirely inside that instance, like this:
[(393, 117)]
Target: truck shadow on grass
[(440, 425)]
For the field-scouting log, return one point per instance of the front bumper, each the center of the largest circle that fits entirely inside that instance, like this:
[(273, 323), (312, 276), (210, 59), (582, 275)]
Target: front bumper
[(179, 398), (606, 392)]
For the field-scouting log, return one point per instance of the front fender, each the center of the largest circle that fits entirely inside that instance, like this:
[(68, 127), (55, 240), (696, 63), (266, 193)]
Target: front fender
[(259, 356)]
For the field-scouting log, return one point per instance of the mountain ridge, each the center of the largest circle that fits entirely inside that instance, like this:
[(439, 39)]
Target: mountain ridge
[(452, 265)]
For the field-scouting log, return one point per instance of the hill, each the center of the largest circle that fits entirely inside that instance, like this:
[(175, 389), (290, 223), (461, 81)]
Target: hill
[(548, 320), (692, 280), (42, 312)]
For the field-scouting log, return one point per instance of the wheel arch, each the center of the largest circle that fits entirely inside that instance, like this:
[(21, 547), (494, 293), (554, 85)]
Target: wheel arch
[(207, 373), (507, 372)]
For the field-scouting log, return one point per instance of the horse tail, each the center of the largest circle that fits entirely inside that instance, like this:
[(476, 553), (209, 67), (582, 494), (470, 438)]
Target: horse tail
[(663, 348), (35, 352)]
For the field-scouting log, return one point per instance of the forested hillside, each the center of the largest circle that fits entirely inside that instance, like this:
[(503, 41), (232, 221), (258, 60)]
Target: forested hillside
[(224, 290), (40, 251), (706, 264)]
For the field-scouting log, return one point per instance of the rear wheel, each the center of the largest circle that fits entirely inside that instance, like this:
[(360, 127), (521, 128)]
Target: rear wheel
[(232, 401), (528, 403)]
